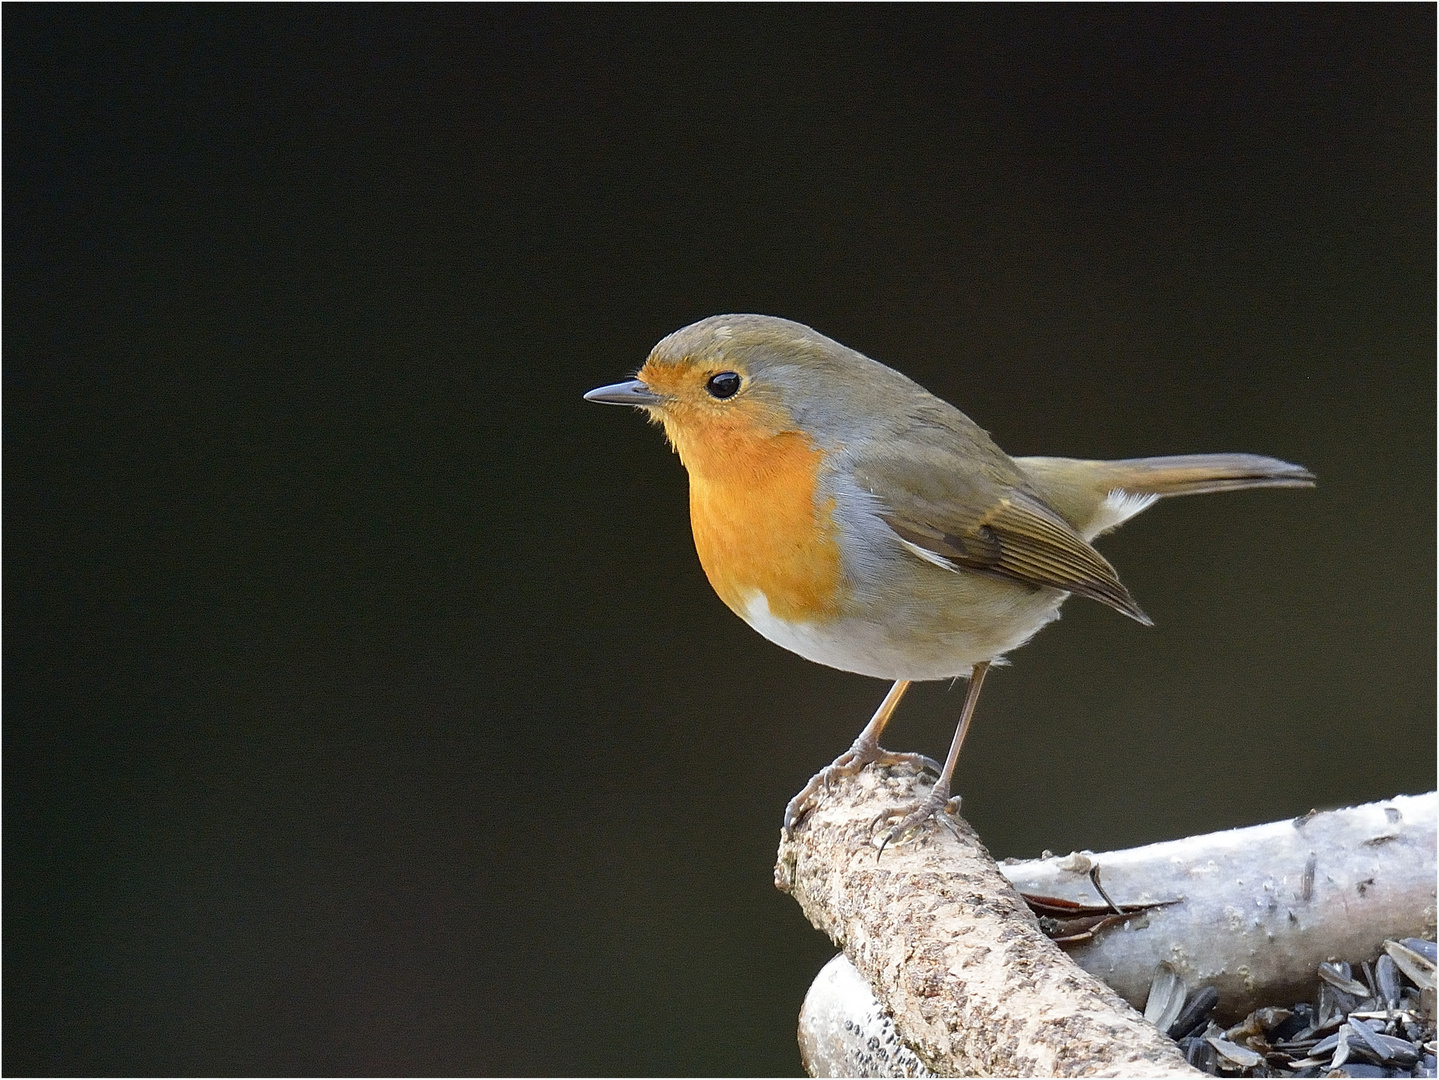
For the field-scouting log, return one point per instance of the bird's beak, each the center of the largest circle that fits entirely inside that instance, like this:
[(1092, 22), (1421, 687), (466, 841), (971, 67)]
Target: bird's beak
[(633, 392)]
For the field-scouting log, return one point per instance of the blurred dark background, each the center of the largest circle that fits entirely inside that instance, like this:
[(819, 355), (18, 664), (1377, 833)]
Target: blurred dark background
[(366, 709)]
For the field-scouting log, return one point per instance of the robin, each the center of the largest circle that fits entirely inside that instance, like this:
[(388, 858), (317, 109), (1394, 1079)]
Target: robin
[(851, 516)]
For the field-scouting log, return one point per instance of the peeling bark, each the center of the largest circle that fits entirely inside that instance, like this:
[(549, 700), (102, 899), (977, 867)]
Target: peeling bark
[(845, 1031), (1261, 907)]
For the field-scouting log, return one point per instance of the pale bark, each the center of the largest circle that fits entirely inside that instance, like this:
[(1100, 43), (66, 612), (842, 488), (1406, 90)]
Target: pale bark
[(951, 951), (1350, 878), (845, 1031), (1262, 906)]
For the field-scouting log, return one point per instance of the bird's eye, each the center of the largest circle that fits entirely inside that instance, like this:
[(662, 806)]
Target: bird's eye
[(723, 385)]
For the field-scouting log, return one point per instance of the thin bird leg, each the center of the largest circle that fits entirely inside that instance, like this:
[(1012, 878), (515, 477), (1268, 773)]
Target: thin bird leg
[(865, 751), (938, 798), (867, 745)]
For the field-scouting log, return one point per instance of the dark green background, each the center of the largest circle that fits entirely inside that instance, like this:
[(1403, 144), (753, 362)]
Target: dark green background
[(366, 710)]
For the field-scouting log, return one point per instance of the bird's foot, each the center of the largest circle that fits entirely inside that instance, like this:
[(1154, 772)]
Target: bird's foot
[(847, 764), (933, 804)]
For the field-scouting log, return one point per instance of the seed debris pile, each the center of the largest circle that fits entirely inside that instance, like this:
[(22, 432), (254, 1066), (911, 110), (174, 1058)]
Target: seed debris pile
[(1371, 1020)]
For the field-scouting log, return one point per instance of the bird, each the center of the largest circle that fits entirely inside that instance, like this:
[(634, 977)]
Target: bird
[(849, 515)]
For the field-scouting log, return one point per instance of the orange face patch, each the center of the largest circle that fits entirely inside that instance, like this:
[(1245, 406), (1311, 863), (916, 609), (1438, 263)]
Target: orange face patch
[(758, 523)]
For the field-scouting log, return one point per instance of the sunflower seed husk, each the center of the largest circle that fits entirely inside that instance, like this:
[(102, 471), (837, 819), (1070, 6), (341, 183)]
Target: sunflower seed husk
[(1245, 1059), (1358, 1069), (1365, 1035), (1341, 1048), (1196, 1011), (1329, 1027), (1386, 976), (1427, 949), (1396, 1016), (1201, 1055), (1301, 1018), (1418, 967), (1334, 1004), (1166, 996), (1324, 1046), (1370, 1020), (1271, 1017), (1341, 980), (1400, 1050)]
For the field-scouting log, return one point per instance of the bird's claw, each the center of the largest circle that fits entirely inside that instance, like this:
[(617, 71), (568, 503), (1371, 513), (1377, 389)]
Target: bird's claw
[(933, 804), (917, 762), (848, 764)]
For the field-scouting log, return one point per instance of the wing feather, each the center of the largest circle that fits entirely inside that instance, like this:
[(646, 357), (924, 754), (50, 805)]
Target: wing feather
[(983, 517)]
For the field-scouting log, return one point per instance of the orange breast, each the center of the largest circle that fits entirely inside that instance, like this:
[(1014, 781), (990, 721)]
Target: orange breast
[(758, 525)]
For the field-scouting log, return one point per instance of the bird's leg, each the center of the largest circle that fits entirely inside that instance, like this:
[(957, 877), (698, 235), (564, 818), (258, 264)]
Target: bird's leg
[(864, 751), (938, 798)]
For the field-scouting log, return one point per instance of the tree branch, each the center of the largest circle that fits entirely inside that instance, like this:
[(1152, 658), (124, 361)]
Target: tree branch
[(1260, 908), (951, 950)]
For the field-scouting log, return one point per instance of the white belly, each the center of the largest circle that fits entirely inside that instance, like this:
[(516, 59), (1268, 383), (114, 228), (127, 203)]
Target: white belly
[(917, 649)]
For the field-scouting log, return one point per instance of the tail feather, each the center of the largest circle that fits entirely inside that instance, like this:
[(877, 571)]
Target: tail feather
[(1197, 474), (1095, 496)]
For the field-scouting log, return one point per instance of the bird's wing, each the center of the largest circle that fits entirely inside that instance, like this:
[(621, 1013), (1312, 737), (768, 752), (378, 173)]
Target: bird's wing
[(974, 512)]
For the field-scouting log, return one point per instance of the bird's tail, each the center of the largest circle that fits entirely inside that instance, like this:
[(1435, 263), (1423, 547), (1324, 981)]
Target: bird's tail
[(1095, 496), (1198, 474)]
